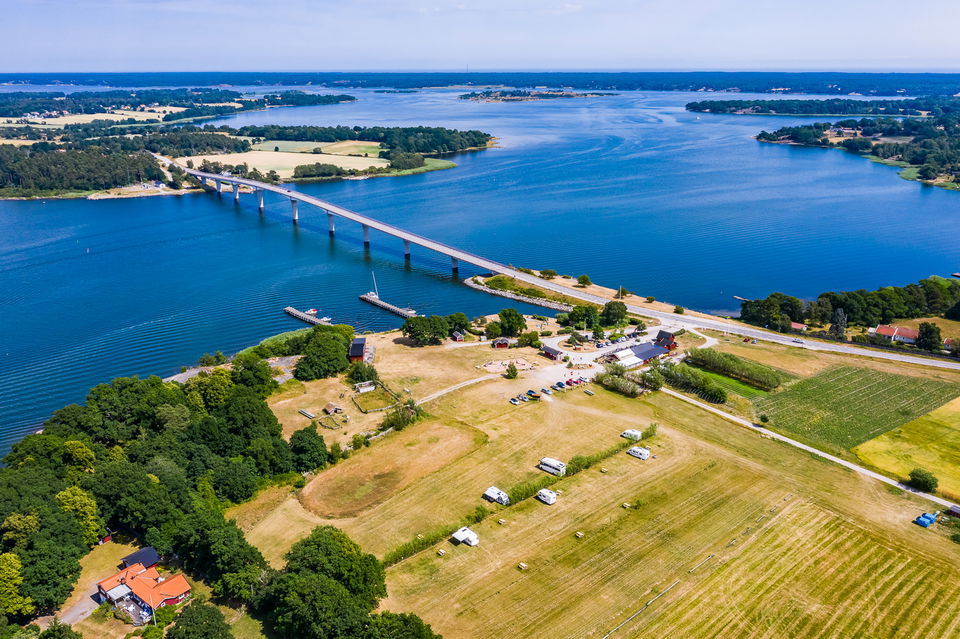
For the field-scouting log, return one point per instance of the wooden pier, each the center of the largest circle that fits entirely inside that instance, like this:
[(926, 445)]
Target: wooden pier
[(306, 317), (373, 298), (742, 299)]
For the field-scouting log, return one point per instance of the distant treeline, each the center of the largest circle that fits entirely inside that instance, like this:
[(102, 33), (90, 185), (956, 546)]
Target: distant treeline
[(928, 298), (521, 94), (26, 171), (417, 139), (197, 102), (826, 83), (913, 107)]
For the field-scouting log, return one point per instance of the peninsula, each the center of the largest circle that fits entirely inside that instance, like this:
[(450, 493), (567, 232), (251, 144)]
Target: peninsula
[(523, 95)]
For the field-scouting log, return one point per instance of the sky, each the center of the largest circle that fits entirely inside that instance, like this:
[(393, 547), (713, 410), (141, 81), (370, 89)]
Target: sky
[(477, 35)]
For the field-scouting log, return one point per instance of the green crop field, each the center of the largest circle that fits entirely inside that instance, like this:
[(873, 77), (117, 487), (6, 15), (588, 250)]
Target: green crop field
[(735, 386), (843, 407)]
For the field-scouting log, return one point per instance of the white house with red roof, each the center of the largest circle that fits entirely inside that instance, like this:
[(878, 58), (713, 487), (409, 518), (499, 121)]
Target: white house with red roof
[(896, 333)]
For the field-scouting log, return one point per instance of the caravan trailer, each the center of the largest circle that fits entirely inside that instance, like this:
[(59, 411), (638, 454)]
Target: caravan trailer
[(547, 496), (639, 452), (553, 466), (496, 495), (632, 433), (466, 536)]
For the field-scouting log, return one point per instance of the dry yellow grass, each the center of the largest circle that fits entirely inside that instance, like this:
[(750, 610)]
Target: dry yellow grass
[(284, 162), (119, 114), (948, 328)]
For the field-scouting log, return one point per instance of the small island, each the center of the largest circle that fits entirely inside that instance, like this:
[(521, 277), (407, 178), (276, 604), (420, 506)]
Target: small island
[(521, 95)]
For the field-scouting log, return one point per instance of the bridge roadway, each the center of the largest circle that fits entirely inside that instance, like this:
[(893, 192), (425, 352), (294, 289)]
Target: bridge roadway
[(457, 255)]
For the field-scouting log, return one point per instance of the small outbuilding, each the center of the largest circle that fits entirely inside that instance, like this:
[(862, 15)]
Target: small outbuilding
[(501, 342), (466, 536), (666, 339), (497, 496), (457, 336), (547, 496), (332, 408), (552, 352), (632, 433), (357, 348), (147, 557)]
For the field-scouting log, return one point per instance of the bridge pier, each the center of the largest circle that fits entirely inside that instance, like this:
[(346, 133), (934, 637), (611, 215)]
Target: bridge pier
[(331, 226), (236, 192), (219, 186), (455, 264), (296, 211), (260, 199), (366, 235), (406, 250)]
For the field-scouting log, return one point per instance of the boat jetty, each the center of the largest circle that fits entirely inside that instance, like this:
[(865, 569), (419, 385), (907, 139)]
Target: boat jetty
[(308, 317), (373, 297)]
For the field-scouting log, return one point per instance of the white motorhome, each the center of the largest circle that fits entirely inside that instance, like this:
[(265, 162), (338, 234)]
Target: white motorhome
[(466, 536), (497, 496), (547, 496), (639, 452), (553, 466), (633, 434)]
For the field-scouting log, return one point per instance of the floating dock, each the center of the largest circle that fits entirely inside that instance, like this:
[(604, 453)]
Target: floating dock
[(306, 317), (742, 299), (373, 298), (955, 274)]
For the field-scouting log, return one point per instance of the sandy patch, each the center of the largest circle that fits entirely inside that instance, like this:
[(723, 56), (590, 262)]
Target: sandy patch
[(500, 366), (284, 162)]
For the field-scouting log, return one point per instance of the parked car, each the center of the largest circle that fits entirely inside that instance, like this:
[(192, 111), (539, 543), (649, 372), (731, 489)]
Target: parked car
[(533, 394), (546, 391), (560, 385), (514, 401), (523, 398), (588, 391)]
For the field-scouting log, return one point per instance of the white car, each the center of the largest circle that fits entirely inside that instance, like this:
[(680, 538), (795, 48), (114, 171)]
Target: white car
[(797, 340)]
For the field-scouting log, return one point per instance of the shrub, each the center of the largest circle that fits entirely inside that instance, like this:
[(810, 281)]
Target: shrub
[(651, 299), (546, 333), (650, 431), (548, 273), (764, 419), (401, 416), (955, 537), (923, 480), (362, 372), (512, 371), (678, 310), (583, 281)]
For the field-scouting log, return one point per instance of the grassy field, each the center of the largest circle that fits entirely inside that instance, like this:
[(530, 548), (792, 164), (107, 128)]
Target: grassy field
[(931, 442), (734, 386), (284, 162), (948, 328), (375, 399), (795, 545), (344, 147), (843, 407)]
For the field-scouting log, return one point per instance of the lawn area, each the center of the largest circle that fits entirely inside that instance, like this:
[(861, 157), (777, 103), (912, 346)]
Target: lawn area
[(846, 406), (344, 147), (375, 399), (284, 162), (931, 442), (734, 386)]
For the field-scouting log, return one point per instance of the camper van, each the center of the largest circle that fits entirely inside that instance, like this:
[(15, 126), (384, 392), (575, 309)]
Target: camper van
[(497, 496), (639, 452), (632, 433), (553, 466), (547, 496)]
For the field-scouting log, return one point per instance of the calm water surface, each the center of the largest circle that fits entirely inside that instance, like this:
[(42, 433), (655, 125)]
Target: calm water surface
[(630, 189)]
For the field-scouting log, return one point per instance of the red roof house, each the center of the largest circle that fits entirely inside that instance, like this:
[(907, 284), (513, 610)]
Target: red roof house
[(144, 586), (897, 333)]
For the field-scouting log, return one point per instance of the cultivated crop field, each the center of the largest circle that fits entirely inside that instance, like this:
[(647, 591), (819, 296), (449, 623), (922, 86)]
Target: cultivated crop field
[(786, 583), (843, 407), (931, 442)]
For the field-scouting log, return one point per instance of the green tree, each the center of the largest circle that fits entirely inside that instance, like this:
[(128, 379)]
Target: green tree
[(200, 621), (18, 529), (59, 630), (330, 552), (493, 330), (425, 330), (325, 356), (512, 371), (548, 273), (83, 507), (213, 387), (389, 625), (311, 606), (678, 309), (362, 372), (457, 322), (923, 480), (253, 372), (838, 325), (235, 480), (308, 448), (583, 281), (12, 601), (929, 338), (614, 313), (511, 322), (531, 338), (622, 292)]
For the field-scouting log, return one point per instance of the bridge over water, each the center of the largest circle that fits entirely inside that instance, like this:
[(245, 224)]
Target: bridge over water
[(457, 255)]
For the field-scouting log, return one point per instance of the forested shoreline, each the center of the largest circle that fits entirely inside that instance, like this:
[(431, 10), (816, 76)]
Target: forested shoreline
[(160, 461), (932, 106)]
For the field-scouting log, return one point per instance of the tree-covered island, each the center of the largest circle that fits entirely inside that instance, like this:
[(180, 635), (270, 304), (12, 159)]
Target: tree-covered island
[(523, 95)]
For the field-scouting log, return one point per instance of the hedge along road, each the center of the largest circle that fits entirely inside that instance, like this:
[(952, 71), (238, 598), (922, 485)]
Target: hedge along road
[(497, 267), (810, 449)]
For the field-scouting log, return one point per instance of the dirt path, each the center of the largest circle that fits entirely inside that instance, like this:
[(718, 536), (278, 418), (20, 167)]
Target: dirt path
[(450, 389), (810, 449)]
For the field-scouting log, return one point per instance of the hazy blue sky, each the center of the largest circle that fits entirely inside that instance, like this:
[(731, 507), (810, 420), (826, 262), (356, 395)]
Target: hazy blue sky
[(122, 35)]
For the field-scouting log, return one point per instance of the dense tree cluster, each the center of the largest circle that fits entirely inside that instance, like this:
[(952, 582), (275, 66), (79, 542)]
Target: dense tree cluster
[(758, 375), (329, 589), (42, 168), (691, 379), (155, 459), (929, 297), (834, 106), (18, 103), (418, 139)]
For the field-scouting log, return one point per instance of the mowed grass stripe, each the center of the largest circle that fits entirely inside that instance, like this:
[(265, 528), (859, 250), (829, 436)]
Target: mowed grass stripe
[(843, 407)]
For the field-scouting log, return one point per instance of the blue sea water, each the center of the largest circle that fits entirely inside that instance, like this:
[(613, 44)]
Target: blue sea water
[(630, 189)]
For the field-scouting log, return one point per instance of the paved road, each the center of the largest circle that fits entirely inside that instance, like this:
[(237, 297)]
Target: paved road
[(810, 449), (685, 321)]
